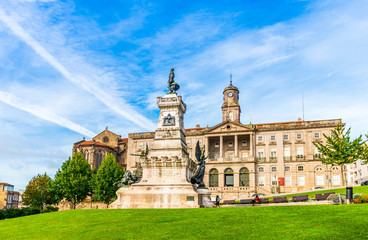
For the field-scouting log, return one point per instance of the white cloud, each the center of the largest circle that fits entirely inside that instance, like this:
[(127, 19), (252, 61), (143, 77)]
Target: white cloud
[(43, 113)]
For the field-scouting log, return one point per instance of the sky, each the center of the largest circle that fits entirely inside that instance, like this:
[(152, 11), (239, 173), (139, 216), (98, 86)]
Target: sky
[(69, 69)]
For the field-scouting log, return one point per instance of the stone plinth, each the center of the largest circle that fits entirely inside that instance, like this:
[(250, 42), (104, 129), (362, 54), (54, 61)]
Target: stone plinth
[(167, 169)]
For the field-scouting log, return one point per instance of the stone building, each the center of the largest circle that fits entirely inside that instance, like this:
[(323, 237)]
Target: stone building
[(8, 197), (104, 143), (255, 158)]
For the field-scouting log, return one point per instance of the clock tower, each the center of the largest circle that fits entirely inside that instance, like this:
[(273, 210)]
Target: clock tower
[(230, 107)]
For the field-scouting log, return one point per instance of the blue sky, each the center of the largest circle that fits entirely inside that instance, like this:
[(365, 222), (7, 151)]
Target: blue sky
[(68, 69)]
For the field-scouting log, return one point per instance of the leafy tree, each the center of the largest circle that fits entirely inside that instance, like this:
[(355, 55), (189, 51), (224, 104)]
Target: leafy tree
[(37, 193), (104, 181), (340, 149), (72, 182)]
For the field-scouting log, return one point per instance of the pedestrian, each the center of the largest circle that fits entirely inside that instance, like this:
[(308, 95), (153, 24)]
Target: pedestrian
[(218, 201), (256, 199)]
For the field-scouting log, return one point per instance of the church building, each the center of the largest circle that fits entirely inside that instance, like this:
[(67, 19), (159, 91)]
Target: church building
[(244, 158)]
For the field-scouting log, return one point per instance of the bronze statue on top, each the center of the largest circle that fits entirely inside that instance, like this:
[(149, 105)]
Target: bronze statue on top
[(197, 178), (171, 85)]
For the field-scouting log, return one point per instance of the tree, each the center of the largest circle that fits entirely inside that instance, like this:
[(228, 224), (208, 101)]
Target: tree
[(104, 181), (73, 181), (37, 193), (340, 149)]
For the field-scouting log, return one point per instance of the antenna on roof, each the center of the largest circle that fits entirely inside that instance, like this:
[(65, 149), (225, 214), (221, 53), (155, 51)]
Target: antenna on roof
[(250, 114), (303, 105)]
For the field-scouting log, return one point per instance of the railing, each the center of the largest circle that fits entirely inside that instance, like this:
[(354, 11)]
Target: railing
[(244, 158), (300, 157), (273, 159), (316, 156), (287, 158), (231, 189), (261, 159)]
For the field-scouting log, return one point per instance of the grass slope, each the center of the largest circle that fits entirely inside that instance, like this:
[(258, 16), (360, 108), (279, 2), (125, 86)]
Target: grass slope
[(282, 222), (312, 194)]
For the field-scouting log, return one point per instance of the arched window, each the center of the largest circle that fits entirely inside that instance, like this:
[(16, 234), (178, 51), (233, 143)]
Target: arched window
[(261, 169), (213, 178), (319, 169), (335, 168), (300, 168), (244, 177), (229, 177)]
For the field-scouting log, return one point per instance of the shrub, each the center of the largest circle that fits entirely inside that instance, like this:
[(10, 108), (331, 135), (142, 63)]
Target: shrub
[(362, 199), (50, 209)]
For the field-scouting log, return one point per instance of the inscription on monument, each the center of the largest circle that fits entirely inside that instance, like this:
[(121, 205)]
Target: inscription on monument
[(190, 198)]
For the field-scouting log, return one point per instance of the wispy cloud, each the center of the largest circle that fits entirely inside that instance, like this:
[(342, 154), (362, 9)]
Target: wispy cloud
[(82, 81), (43, 113)]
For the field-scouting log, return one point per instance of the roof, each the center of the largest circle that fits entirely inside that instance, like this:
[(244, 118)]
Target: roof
[(92, 143), (123, 140), (2, 183)]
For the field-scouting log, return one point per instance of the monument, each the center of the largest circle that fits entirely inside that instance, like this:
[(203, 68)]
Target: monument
[(170, 179)]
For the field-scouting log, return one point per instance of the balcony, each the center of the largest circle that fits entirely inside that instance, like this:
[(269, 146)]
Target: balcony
[(300, 157), (287, 158), (273, 159), (261, 159), (317, 156)]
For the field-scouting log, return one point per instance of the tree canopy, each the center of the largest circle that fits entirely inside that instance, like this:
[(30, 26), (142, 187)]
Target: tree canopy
[(73, 181), (340, 149), (37, 193), (104, 182)]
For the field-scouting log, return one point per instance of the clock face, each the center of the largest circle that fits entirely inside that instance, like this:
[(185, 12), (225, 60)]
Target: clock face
[(105, 139), (230, 94)]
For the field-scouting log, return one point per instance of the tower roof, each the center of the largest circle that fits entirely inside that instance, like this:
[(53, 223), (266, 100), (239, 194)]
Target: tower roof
[(231, 87)]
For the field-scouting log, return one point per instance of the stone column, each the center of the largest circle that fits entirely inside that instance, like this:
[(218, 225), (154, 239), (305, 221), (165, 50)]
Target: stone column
[(207, 144), (221, 146), (236, 145), (251, 145)]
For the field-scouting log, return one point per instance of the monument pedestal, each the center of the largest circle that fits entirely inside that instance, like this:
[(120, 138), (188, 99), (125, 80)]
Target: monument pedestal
[(167, 170)]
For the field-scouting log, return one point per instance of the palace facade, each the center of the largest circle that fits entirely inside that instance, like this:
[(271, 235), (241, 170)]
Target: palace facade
[(243, 158)]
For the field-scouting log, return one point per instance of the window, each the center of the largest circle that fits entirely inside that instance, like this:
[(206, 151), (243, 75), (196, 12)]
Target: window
[(335, 168), (140, 145), (316, 135), (260, 138), (300, 151), (217, 156), (273, 169), (273, 138), (244, 156), (287, 168), (273, 153), (319, 180), (230, 144), (261, 169), (213, 178), (230, 156), (273, 181), (244, 143), (260, 153), (300, 168), (217, 145), (286, 151), (229, 177), (286, 137), (287, 181), (244, 177), (301, 180), (298, 136), (316, 151), (332, 134), (336, 179), (319, 169), (261, 181)]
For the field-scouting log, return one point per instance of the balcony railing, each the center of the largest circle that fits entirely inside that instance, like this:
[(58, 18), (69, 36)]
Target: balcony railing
[(273, 159), (261, 159), (300, 157), (316, 156), (287, 158)]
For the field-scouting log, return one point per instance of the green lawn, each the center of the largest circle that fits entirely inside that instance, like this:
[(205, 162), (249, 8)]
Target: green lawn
[(281, 222), (312, 194)]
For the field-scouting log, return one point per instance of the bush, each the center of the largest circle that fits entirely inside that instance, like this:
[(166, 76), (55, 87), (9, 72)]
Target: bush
[(362, 199), (16, 212), (50, 209)]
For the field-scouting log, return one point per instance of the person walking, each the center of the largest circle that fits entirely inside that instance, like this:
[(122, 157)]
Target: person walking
[(218, 199)]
